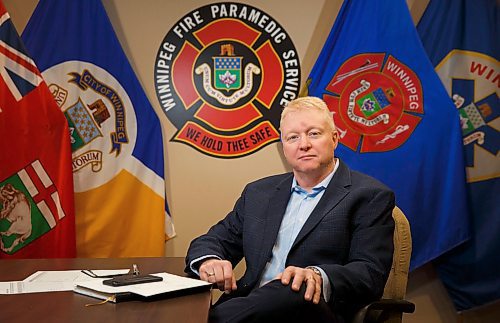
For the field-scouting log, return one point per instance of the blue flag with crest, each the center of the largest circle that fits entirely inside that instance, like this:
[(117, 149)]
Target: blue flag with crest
[(395, 120), (462, 40), (116, 140)]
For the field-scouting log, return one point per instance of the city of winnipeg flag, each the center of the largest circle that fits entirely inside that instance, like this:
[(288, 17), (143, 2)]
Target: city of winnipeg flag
[(462, 40), (37, 217), (395, 120), (116, 140)]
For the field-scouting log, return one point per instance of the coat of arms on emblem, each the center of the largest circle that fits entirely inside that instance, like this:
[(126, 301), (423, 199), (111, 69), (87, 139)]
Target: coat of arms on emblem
[(95, 112), (375, 101), (82, 126), (227, 69), (472, 118), (227, 76)]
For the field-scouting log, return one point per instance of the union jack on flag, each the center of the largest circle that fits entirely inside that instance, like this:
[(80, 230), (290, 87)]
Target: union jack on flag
[(17, 69)]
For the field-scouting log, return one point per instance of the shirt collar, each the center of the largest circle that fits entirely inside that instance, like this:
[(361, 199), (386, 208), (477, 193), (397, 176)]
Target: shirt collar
[(320, 186)]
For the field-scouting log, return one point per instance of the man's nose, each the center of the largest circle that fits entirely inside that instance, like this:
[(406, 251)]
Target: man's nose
[(305, 143)]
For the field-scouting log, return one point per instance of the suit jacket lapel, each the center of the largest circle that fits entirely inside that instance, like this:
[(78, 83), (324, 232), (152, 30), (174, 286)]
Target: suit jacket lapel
[(334, 193), (275, 212)]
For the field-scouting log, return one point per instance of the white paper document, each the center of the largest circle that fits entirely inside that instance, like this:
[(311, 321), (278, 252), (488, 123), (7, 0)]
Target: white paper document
[(21, 287), (70, 275), (53, 281)]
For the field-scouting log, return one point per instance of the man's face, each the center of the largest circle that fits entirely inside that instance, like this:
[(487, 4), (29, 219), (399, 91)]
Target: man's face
[(308, 142)]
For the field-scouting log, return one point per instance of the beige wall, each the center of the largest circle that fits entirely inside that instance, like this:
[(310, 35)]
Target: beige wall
[(202, 189)]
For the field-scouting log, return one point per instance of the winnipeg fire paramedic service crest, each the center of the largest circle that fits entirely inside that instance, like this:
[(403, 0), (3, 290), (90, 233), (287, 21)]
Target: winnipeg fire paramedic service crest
[(377, 102), (222, 74)]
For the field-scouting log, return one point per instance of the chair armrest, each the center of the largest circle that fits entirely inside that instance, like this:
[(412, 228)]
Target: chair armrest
[(399, 305), (381, 308)]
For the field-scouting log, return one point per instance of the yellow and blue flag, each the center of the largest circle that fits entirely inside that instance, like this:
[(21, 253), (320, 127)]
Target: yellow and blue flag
[(462, 40), (395, 120), (116, 140)]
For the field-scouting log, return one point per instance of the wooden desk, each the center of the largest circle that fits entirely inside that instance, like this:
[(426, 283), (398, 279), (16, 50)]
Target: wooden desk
[(70, 307)]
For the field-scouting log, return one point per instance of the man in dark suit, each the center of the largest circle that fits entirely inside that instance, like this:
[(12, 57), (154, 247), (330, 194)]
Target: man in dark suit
[(317, 242)]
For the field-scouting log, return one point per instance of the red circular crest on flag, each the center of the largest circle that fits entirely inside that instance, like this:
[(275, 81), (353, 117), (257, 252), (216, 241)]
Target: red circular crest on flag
[(377, 102)]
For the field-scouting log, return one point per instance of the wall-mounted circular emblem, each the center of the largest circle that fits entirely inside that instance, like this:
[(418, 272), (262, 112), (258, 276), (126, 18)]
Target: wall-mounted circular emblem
[(222, 74), (101, 121), (377, 103)]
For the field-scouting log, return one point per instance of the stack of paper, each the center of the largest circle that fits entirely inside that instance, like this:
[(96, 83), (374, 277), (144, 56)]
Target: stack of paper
[(53, 281), (171, 285)]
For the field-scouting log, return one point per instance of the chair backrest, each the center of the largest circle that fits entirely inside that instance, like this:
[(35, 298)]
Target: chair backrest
[(395, 287)]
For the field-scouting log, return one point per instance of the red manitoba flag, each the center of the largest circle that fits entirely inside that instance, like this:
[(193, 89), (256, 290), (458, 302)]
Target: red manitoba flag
[(37, 217)]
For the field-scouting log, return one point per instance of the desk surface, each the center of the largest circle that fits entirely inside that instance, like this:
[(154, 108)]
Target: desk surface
[(70, 307)]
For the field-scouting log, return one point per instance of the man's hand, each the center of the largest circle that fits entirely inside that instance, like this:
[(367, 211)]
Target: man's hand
[(220, 272), (298, 275)]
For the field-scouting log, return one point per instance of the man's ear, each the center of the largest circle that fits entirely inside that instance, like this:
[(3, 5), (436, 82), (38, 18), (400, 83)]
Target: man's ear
[(335, 137)]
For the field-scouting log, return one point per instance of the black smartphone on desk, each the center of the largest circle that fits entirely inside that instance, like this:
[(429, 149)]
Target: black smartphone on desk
[(131, 280)]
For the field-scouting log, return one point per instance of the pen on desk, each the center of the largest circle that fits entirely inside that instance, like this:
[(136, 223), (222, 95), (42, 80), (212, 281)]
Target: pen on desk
[(135, 270)]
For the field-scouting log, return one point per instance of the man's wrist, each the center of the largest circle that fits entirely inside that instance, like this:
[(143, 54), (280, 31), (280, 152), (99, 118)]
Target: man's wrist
[(315, 270), (325, 281), (196, 263)]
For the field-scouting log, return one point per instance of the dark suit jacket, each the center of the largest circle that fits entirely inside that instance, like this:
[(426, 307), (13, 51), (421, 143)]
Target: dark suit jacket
[(349, 235)]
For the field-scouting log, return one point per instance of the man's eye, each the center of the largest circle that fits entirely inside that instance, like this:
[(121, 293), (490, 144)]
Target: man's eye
[(292, 138), (314, 134)]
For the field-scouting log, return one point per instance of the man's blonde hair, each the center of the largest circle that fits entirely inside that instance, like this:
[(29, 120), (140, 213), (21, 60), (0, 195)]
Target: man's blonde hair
[(309, 102)]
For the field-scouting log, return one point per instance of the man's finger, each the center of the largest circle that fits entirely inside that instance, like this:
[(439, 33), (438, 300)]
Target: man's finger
[(310, 288), (298, 279), (206, 270), (286, 275), (228, 279), (228, 276), (317, 292), (219, 277), (207, 274), (233, 283)]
